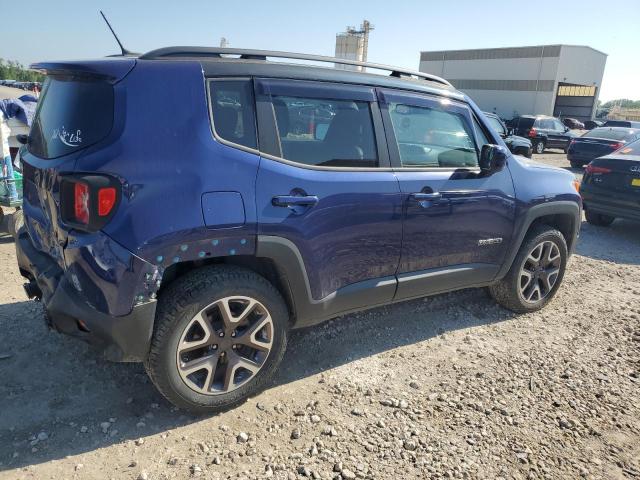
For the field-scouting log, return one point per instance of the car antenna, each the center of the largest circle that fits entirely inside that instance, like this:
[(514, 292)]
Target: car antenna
[(124, 51)]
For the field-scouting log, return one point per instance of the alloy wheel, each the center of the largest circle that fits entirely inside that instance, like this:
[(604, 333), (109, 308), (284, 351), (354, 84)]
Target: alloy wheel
[(540, 271), (225, 345), (539, 147)]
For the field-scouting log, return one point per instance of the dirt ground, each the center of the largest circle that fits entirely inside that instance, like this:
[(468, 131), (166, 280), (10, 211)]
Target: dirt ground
[(451, 386)]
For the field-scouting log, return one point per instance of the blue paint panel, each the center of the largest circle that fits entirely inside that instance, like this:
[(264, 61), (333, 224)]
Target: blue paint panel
[(223, 209)]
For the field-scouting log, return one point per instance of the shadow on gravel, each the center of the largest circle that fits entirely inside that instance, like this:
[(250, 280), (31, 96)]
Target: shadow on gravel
[(618, 243), (54, 384)]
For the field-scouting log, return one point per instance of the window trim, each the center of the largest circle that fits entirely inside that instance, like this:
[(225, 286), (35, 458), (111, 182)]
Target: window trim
[(394, 151), (268, 131), (212, 126)]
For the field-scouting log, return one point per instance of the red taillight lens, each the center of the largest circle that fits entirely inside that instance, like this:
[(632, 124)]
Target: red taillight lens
[(532, 133), (618, 145), (593, 169), (106, 200), (87, 202), (81, 202)]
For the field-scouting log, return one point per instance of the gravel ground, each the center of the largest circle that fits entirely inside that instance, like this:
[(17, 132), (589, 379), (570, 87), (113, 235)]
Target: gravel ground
[(447, 387)]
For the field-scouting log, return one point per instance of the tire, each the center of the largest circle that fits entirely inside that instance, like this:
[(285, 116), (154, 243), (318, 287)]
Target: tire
[(16, 222), (199, 296), (508, 292), (598, 219), (538, 147), (575, 164)]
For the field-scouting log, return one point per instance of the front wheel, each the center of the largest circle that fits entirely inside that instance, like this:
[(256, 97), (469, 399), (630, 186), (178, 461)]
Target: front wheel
[(220, 335), (536, 272), (598, 219)]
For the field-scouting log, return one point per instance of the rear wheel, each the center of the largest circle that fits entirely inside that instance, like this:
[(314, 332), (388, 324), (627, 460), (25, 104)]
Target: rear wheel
[(598, 219), (538, 147), (16, 222), (220, 336), (536, 272)]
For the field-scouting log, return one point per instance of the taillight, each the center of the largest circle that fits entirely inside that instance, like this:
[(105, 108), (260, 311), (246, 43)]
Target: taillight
[(618, 145), (106, 200), (81, 202), (87, 202), (594, 169), (532, 133)]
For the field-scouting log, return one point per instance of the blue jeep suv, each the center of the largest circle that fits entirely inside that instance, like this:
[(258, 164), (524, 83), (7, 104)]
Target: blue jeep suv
[(189, 206)]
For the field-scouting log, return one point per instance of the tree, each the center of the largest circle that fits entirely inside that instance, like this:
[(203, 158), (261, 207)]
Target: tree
[(622, 102), (13, 70)]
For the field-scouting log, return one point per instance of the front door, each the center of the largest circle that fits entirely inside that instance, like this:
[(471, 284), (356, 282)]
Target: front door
[(457, 222), (327, 186)]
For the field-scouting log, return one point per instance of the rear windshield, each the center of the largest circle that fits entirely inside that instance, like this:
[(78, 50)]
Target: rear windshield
[(631, 149), (72, 114), (523, 122), (610, 134)]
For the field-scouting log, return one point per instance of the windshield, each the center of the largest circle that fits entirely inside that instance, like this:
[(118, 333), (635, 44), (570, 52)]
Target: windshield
[(496, 124), (72, 114), (610, 133)]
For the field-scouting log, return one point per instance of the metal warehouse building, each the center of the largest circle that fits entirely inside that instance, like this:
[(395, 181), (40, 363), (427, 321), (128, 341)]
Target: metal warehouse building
[(558, 80)]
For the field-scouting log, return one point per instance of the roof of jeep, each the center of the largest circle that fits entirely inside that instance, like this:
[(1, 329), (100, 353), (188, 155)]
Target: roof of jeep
[(229, 62)]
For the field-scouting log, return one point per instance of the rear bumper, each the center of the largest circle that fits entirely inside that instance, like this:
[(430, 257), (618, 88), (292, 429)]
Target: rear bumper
[(609, 206), (576, 157), (613, 210), (123, 338)]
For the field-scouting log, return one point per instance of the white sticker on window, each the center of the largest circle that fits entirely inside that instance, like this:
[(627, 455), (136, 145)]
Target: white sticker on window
[(71, 139)]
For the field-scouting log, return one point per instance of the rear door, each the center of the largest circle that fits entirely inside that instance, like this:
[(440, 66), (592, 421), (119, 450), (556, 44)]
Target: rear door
[(325, 183), (457, 222), (560, 134)]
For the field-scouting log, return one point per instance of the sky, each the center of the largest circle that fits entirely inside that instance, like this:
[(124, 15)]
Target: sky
[(73, 29)]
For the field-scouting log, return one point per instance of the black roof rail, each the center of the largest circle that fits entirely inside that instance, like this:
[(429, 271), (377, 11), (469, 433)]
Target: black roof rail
[(248, 54)]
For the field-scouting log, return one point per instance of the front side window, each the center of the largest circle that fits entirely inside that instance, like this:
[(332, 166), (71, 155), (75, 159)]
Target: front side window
[(325, 132), (233, 110), (431, 137)]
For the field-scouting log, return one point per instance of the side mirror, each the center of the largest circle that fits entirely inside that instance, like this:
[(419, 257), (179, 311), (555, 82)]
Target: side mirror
[(22, 138), (492, 158), (566, 129)]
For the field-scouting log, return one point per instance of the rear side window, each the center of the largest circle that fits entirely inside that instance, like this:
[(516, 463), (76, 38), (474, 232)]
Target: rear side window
[(611, 134), (72, 114), (325, 132), (429, 137), (233, 109)]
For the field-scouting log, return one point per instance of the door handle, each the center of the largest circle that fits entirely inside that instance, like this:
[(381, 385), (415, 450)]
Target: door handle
[(294, 200), (421, 197)]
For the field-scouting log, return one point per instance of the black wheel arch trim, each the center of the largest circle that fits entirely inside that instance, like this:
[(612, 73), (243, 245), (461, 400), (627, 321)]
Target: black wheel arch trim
[(563, 207)]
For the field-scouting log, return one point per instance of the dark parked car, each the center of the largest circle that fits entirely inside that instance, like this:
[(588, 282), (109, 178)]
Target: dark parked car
[(622, 123), (518, 145), (598, 142), (197, 251), (544, 132), (611, 186), (573, 123), (591, 124)]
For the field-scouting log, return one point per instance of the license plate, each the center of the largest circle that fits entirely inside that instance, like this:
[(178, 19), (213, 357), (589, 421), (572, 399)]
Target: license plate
[(635, 182)]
